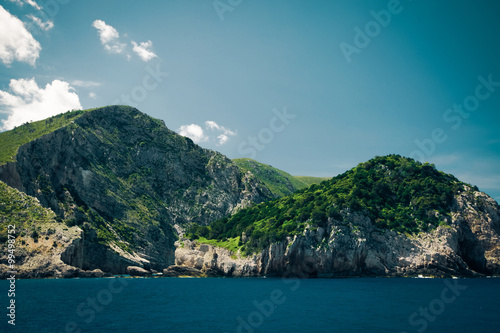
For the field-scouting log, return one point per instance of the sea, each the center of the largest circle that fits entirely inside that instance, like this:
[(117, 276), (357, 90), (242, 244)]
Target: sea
[(190, 305)]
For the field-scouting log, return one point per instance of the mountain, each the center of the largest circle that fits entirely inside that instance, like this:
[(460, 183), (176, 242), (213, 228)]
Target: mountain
[(388, 216), (113, 191), (279, 182), (122, 178)]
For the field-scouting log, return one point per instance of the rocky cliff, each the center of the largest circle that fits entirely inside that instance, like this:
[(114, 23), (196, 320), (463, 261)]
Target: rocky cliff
[(37, 242), (125, 181), (111, 190), (353, 246), (388, 216)]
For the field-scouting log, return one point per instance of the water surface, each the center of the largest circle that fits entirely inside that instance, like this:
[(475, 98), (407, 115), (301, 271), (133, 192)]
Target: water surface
[(255, 305)]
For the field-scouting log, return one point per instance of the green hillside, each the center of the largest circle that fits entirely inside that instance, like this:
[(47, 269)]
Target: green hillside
[(10, 141), (397, 193), (279, 182), (308, 181), (24, 212)]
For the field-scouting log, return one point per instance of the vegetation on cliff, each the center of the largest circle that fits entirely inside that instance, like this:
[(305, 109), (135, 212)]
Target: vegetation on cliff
[(10, 141), (397, 193), (24, 212)]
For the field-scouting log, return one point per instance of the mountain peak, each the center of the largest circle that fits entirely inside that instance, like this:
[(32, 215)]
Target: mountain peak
[(125, 179)]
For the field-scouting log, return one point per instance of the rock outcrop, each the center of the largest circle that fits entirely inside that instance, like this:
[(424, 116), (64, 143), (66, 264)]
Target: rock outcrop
[(181, 271), (354, 247), (137, 271)]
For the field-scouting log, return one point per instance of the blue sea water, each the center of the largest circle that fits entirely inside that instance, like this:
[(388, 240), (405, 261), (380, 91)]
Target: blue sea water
[(254, 305)]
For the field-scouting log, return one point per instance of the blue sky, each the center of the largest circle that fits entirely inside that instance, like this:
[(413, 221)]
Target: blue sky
[(312, 88)]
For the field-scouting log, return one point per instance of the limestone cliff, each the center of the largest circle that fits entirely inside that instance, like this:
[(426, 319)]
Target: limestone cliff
[(38, 242), (352, 246)]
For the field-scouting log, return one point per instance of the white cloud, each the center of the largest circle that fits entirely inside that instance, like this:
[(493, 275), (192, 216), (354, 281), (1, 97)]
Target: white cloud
[(214, 126), (212, 132), (26, 101), (16, 42), (85, 84), (225, 133), (223, 138), (109, 36), (32, 3), (45, 26), (211, 124), (194, 132), (92, 95), (143, 50), (17, 2)]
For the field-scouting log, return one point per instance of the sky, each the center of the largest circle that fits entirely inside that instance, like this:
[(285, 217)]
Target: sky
[(312, 88)]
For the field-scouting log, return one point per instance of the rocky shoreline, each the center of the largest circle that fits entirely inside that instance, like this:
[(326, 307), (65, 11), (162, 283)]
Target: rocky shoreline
[(353, 247)]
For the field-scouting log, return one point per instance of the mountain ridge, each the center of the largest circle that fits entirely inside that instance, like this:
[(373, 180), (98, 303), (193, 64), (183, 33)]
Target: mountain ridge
[(121, 189)]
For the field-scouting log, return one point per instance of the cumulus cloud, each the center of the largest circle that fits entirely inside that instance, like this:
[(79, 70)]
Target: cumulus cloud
[(143, 50), (92, 95), (16, 42), (45, 26), (109, 36), (26, 101), (212, 132), (194, 132)]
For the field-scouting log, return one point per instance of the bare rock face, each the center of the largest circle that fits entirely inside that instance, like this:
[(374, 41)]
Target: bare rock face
[(354, 247), (215, 260), (41, 257), (34, 247), (181, 271), (123, 178), (137, 271), (478, 216)]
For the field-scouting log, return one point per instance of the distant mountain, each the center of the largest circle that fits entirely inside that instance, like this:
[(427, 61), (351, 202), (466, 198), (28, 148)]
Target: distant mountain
[(388, 216), (125, 180), (308, 180), (279, 182)]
